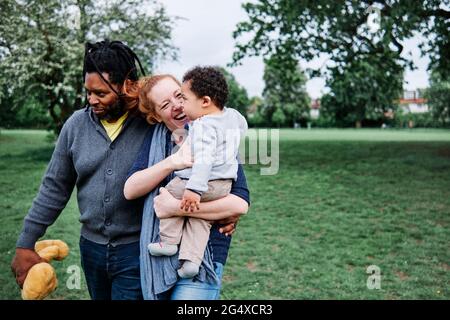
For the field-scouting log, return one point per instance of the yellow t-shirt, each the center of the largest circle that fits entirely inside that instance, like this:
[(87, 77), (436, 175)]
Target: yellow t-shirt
[(113, 129)]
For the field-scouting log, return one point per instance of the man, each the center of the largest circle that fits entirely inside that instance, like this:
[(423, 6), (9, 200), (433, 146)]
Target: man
[(96, 148)]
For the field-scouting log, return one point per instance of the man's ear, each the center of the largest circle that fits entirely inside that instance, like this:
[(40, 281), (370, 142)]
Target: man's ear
[(206, 101)]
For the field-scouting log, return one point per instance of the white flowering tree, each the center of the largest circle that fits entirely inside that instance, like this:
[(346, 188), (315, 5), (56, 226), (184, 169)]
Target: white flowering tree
[(42, 47)]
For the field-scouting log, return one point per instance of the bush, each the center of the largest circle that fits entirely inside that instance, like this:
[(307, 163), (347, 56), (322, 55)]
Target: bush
[(438, 95), (30, 116), (256, 120), (401, 120), (323, 121), (417, 120)]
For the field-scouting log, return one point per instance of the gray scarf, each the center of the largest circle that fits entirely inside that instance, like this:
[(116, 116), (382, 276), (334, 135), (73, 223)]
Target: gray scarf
[(159, 274)]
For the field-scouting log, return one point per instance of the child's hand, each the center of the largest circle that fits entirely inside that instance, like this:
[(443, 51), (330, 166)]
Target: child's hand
[(190, 201), (182, 158)]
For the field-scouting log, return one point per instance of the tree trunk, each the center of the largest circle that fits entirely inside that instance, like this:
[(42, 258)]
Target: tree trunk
[(55, 118), (358, 124)]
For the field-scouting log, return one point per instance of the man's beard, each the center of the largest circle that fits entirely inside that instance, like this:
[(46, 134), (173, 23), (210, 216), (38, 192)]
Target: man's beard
[(115, 111)]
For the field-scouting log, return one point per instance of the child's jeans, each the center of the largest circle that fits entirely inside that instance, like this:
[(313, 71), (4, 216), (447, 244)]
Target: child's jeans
[(193, 233)]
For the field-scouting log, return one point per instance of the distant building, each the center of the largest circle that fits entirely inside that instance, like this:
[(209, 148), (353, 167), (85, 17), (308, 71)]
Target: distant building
[(314, 108), (413, 102)]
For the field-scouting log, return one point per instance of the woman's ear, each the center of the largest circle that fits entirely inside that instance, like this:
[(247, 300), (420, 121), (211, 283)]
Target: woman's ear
[(157, 118), (122, 88), (152, 119)]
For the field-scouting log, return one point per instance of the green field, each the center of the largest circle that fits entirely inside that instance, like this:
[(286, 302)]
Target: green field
[(342, 200)]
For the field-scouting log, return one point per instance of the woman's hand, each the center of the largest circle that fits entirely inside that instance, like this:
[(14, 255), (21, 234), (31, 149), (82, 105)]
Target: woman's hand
[(182, 158), (165, 204)]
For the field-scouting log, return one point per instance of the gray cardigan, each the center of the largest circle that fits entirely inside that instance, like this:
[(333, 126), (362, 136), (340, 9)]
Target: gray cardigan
[(85, 157)]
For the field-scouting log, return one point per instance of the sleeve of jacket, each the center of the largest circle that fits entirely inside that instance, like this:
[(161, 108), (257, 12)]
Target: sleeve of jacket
[(204, 141), (239, 187), (54, 192)]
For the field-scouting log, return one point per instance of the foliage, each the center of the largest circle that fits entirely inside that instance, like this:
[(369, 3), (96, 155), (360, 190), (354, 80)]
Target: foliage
[(324, 121), (7, 111), (237, 94), (349, 34), (31, 114), (42, 46), (362, 90), (278, 117), (438, 96), (417, 120), (286, 99), (344, 30), (257, 120), (255, 113)]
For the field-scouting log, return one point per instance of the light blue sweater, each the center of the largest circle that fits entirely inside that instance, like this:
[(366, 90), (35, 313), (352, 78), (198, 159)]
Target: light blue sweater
[(215, 144)]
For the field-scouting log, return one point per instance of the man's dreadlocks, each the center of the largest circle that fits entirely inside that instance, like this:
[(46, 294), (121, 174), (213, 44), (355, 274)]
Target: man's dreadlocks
[(117, 60)]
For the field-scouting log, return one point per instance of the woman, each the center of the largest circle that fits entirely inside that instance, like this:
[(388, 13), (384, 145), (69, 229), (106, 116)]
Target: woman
[(160, 100)]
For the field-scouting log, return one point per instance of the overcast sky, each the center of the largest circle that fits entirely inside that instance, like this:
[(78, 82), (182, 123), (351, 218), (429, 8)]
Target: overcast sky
[(204, 38)]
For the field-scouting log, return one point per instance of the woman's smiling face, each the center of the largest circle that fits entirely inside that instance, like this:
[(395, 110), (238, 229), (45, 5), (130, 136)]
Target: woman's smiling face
[(168, 100)]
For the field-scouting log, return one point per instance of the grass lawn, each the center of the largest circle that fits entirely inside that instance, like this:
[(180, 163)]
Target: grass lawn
[(342, 200)]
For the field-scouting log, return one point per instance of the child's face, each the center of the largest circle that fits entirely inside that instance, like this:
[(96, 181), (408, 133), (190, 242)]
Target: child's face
[(193, 106)]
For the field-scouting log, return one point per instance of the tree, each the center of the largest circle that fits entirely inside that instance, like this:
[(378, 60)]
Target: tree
[(7, 111), (255, 114), (278, 118), (42, 46), (362, 90), (340, 29), (237, 95), (438, 96), (284, 93)]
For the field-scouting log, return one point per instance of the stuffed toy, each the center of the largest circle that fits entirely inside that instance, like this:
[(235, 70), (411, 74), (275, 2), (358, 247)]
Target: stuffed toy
[(41, 278)]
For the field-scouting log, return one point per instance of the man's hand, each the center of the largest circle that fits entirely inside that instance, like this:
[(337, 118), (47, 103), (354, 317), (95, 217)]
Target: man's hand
[(166, 205), (22, 263), (229, 225), (190, 201)]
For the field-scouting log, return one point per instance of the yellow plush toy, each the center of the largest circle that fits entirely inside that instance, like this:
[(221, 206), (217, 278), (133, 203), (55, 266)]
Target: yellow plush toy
[(41, 278)]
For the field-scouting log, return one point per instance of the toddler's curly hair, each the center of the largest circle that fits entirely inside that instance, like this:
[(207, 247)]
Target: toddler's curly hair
[(208, 81)]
